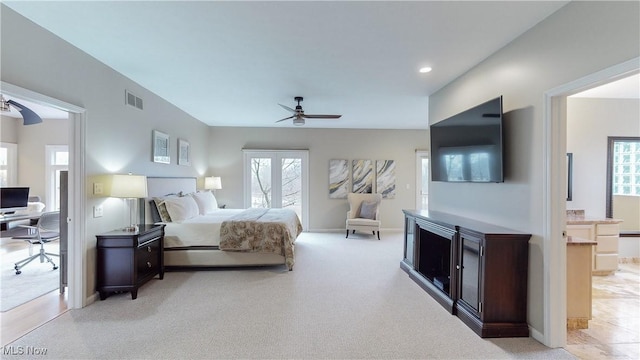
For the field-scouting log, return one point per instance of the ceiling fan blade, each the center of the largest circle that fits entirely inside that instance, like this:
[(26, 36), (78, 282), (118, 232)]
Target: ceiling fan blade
[(287, 118), (288, 108), (28, 115), (322, 116)]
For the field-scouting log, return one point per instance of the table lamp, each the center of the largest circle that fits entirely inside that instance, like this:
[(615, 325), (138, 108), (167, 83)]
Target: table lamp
[(213, 183), (129, 187)]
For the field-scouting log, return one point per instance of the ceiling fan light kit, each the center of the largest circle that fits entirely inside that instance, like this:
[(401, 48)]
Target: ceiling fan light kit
[(299, 115)]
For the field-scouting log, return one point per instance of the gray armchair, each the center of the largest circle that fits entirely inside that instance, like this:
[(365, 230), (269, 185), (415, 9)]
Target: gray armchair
[(46, 230)]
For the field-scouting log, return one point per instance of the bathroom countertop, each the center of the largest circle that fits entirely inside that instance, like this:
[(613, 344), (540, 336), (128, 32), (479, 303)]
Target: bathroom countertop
[(574, 240), (583, 220)]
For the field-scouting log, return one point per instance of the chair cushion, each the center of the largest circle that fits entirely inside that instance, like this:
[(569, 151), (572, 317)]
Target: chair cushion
[(368, 210), (362, 222)]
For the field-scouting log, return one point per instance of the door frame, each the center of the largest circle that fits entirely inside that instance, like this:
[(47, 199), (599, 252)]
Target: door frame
[(247, 154), (76, 221), (554, 197)]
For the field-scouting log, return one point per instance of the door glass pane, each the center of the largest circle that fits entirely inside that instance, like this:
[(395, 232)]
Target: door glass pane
[(292, 184), (424, 191), (261, 182)]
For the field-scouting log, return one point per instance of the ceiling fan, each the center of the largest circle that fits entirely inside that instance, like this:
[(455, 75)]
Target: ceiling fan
[(28, 115), (299, 115)]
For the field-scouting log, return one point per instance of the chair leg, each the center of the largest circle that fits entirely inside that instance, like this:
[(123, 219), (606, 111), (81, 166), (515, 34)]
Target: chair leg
[(42, 255), (378, 234), (347, 234)]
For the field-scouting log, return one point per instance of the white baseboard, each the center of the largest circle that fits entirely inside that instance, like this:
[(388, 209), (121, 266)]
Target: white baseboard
[(343, 230), (537, 335)]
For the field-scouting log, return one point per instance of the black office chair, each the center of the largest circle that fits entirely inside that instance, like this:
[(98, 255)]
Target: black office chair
[(47, 230)]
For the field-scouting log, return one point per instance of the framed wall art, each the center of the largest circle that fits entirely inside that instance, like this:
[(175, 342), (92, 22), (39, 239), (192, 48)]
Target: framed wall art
[(161, 147), (386, 178), (184, 152), (338, 179), (362, 176)]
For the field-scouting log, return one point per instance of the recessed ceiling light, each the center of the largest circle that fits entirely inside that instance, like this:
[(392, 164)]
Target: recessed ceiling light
[(425, 69)]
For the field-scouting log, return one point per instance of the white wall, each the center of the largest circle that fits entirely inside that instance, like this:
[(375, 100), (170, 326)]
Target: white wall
[(9, 129), (579, 39), (589, 123), (118, 137), (32, 140), (225, 160)]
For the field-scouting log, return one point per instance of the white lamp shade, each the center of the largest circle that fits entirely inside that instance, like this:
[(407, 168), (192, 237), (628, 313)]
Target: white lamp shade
[(213, 183), (129, 186)]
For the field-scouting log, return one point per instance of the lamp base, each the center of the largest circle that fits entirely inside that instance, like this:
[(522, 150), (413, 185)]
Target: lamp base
[(132, 228)]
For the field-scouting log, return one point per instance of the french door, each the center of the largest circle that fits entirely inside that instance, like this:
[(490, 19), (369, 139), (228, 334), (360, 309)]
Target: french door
[(422, 180), (277, 179)]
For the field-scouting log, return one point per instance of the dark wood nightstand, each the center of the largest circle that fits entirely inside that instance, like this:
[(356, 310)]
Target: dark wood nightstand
[(128, 259)]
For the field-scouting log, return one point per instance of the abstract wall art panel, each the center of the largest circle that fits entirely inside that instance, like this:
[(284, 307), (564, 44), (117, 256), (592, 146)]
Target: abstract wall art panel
[(338, 179), (386, 178), (362, 176)]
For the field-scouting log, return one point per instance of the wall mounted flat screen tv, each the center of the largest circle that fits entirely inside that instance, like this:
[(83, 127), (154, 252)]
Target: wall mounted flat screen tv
[(467, 147), (13, 198)]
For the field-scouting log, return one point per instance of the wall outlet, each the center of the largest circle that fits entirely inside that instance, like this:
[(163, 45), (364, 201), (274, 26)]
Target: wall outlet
[(97, 188), (97, 211)]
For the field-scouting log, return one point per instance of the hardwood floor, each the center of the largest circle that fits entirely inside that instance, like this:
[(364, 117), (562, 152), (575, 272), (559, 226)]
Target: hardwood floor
[(613, 330), (26, 317)]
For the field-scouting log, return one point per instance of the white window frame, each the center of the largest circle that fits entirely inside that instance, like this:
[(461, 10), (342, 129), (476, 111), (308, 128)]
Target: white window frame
[(276, 157), (50, 171), (12, 163), (421, 154)]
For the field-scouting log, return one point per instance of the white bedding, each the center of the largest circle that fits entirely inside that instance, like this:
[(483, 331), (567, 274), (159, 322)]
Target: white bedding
[(202, 230)]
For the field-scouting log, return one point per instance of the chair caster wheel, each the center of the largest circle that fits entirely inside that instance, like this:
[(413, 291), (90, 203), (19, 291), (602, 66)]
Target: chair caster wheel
[(18, 272), (55, 268)]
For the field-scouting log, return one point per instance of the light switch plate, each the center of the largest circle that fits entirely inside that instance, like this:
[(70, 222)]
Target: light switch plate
[(97, 188), (97, 211)]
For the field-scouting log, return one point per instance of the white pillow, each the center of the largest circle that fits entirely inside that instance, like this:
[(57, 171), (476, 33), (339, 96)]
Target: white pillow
[(206, 201), (181, 208)]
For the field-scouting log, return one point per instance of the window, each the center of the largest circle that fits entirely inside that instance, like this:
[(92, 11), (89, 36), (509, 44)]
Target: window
[(626, 168), (8, 164), (57, 161)]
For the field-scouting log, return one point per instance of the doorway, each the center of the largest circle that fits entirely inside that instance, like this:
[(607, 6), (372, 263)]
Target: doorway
[(554, 189), (76, 182)]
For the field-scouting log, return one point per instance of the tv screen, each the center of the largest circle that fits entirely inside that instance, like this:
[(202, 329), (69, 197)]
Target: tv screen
[(13, 198), (467, 147)]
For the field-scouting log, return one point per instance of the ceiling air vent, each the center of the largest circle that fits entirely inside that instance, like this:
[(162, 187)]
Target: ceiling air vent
[(133, 100)]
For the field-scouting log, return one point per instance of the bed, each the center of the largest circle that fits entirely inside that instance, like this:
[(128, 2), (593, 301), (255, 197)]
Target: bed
[(217, 237)]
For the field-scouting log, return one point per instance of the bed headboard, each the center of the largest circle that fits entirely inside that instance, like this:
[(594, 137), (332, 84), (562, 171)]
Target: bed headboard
[(162, 186)]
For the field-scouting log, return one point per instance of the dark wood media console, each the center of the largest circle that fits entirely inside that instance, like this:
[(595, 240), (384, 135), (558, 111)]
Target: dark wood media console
[(476, 271)]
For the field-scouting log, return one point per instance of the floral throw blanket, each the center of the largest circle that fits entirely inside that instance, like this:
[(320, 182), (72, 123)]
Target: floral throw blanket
[(262, 230)]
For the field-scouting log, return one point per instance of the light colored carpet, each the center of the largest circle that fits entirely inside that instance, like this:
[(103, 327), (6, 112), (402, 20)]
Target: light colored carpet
[(35, 280), (345, 299)]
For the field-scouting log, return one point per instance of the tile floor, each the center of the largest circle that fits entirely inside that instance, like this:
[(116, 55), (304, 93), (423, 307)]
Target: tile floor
[(614, 330)]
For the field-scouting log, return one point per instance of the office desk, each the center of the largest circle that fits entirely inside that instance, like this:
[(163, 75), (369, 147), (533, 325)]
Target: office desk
[(31, 216)]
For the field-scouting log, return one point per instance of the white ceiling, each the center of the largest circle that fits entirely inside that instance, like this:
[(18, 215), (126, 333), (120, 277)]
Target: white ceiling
[(231, 63), (625, 88)]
